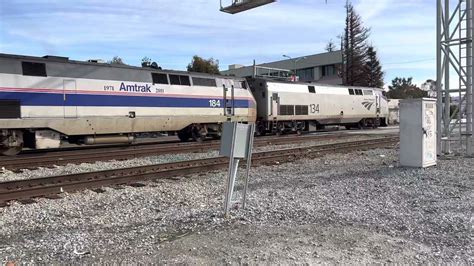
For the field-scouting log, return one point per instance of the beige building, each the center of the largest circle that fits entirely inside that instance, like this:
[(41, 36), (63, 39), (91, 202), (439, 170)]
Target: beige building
[(311, 68)]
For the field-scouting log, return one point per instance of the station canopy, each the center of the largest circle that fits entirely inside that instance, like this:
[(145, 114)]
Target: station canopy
[(243, 5)]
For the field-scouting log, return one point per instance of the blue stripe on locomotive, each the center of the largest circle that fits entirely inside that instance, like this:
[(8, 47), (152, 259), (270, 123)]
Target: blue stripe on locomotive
[(54, 99)]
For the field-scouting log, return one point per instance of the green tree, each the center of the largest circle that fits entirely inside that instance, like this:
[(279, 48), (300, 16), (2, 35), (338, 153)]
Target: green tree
[(354, 46), (403, 88), (199, 64), (116, 60), (373, 69)]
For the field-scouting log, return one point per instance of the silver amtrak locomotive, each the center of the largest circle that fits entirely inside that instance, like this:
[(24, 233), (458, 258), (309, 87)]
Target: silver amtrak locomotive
[(46, 100), (298, 107)]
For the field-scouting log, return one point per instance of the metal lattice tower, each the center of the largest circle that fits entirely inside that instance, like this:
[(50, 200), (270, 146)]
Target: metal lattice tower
[(454, 55)]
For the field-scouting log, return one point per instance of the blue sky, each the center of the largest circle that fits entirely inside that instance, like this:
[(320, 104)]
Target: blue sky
[(171, 32)]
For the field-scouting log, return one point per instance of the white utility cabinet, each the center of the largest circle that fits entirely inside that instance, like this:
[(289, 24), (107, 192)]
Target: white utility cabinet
[(418, 132)]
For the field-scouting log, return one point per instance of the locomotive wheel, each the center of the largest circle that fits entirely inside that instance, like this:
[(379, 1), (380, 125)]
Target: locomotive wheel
[(12, 144), (376, 123), (183, 135), (299, 132), (198, 137), (280, 129), (198, 134), (11, 151), (261, 130), (364, 123), (217, 134)]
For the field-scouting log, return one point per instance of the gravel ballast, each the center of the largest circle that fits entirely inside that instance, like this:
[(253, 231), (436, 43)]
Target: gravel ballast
[(6, 175), (358, 207)]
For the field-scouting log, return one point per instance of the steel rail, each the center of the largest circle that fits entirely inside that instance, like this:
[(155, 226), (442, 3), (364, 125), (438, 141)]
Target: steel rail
[(42, 187), (127, 152)]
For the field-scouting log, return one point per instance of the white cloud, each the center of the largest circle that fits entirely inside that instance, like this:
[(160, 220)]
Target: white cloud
[(171, 32), (369, 9)]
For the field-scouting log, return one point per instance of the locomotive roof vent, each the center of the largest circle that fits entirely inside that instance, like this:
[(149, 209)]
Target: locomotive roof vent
[(57, 58), (100, 61)]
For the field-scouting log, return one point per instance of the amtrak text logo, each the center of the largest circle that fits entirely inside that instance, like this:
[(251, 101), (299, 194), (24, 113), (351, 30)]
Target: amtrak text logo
[(135, 88)]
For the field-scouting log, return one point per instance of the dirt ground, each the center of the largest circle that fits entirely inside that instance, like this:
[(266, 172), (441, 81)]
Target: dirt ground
[(300, 244)]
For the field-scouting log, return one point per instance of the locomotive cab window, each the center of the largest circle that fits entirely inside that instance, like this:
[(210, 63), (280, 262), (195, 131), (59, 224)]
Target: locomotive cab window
[(33, 69), (159, 78), (311, 89), (358, 92), (237, 85), (368, 92), (351, 91)]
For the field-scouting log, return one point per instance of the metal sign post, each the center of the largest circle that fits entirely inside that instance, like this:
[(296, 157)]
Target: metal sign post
[(249, 162), (236, 143)]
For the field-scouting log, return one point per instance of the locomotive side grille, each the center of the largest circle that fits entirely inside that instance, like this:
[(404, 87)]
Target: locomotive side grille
[(204, 82), (10, 109), (301, 109), (33, 69), (159, 78), (287, 110)]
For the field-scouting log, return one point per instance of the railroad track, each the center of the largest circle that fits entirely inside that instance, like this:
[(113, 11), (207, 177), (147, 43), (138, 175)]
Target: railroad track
[(48, 159), (47, 186)]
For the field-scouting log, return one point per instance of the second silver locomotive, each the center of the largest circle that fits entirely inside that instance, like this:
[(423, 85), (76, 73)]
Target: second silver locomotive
[(292, 106)]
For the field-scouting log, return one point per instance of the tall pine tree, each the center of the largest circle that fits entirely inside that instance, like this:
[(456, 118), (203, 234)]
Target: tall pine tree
[(330, 47), (373, 69), (354, 47)]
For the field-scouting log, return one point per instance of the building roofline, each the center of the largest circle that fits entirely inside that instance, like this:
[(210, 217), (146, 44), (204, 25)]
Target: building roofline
[(301, 57), (288, 60)]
